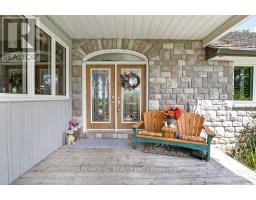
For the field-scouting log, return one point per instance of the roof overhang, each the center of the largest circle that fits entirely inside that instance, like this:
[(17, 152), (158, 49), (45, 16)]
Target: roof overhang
[(206, 28), (224, 28), (215, 53), (212, 52)]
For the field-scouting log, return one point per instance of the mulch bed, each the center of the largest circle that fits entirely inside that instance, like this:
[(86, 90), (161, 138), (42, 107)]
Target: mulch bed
[(170, 150)]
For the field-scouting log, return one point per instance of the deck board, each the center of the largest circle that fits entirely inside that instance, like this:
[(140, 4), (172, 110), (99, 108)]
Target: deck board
[(125, 166)]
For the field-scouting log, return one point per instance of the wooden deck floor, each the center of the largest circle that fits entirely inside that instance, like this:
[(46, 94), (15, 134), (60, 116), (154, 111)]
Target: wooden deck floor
[(125, 166)]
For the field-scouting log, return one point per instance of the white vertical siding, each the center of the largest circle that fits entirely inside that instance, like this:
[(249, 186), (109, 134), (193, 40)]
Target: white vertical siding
[(30, 131), (4, 126)]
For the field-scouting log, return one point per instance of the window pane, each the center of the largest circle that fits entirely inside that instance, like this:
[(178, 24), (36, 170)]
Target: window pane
[(116, 57), (100, 95), (60, 70), (131, 99), (43, 78), (13, 68), (243, 83)]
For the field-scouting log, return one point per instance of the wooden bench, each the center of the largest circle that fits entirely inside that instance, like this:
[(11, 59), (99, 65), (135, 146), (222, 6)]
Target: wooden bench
[(189, 127)]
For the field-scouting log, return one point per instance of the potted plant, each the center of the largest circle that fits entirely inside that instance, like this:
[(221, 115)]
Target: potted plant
[(75, 126), (171, 114)]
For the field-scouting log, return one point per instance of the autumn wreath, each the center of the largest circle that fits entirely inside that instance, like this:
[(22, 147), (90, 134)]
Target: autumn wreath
[(130, 80)]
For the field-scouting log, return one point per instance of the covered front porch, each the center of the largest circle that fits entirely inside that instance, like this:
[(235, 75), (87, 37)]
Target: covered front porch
[(168, 53)]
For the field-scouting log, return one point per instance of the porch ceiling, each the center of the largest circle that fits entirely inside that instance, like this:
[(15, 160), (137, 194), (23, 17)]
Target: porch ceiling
[(188, 27)]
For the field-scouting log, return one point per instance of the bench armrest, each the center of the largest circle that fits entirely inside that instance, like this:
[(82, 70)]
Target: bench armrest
[(209, 131), (138, 125)]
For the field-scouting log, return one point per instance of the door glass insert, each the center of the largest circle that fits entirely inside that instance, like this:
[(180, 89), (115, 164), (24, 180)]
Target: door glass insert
[(131, 95), (100, 95)]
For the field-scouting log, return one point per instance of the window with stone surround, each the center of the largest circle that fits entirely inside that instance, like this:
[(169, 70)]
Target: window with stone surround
[(244, 83)]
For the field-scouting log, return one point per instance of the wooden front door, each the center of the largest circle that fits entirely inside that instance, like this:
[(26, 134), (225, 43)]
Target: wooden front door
[(100, 96), (104, 108), (131, 104)]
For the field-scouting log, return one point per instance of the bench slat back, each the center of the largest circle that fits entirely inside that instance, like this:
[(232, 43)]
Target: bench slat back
[(190, 124), (153, 121)]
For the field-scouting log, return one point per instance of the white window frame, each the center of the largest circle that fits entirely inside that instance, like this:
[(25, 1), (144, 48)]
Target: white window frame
[(31, 96), (254, 82)]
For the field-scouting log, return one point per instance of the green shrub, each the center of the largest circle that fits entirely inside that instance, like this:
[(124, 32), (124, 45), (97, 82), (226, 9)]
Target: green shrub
[(245, 150), (253, 160)]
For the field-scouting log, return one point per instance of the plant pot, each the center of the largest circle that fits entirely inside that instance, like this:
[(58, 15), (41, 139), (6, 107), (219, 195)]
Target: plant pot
[(171, 121), (77, 134)]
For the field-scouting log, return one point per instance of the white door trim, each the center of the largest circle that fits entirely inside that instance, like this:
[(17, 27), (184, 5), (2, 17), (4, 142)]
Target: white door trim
[(115, 63), (115, 98), (106, 51)]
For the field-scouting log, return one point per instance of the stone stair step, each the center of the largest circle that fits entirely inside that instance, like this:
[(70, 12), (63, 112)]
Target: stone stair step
[(109, 135)]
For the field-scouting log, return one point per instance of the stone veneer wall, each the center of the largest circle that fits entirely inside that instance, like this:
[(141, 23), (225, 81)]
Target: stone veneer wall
[(226, 119), (178, 75)]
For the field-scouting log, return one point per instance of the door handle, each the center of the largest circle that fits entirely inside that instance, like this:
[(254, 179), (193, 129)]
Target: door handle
[(112, 99), (118, 104)]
